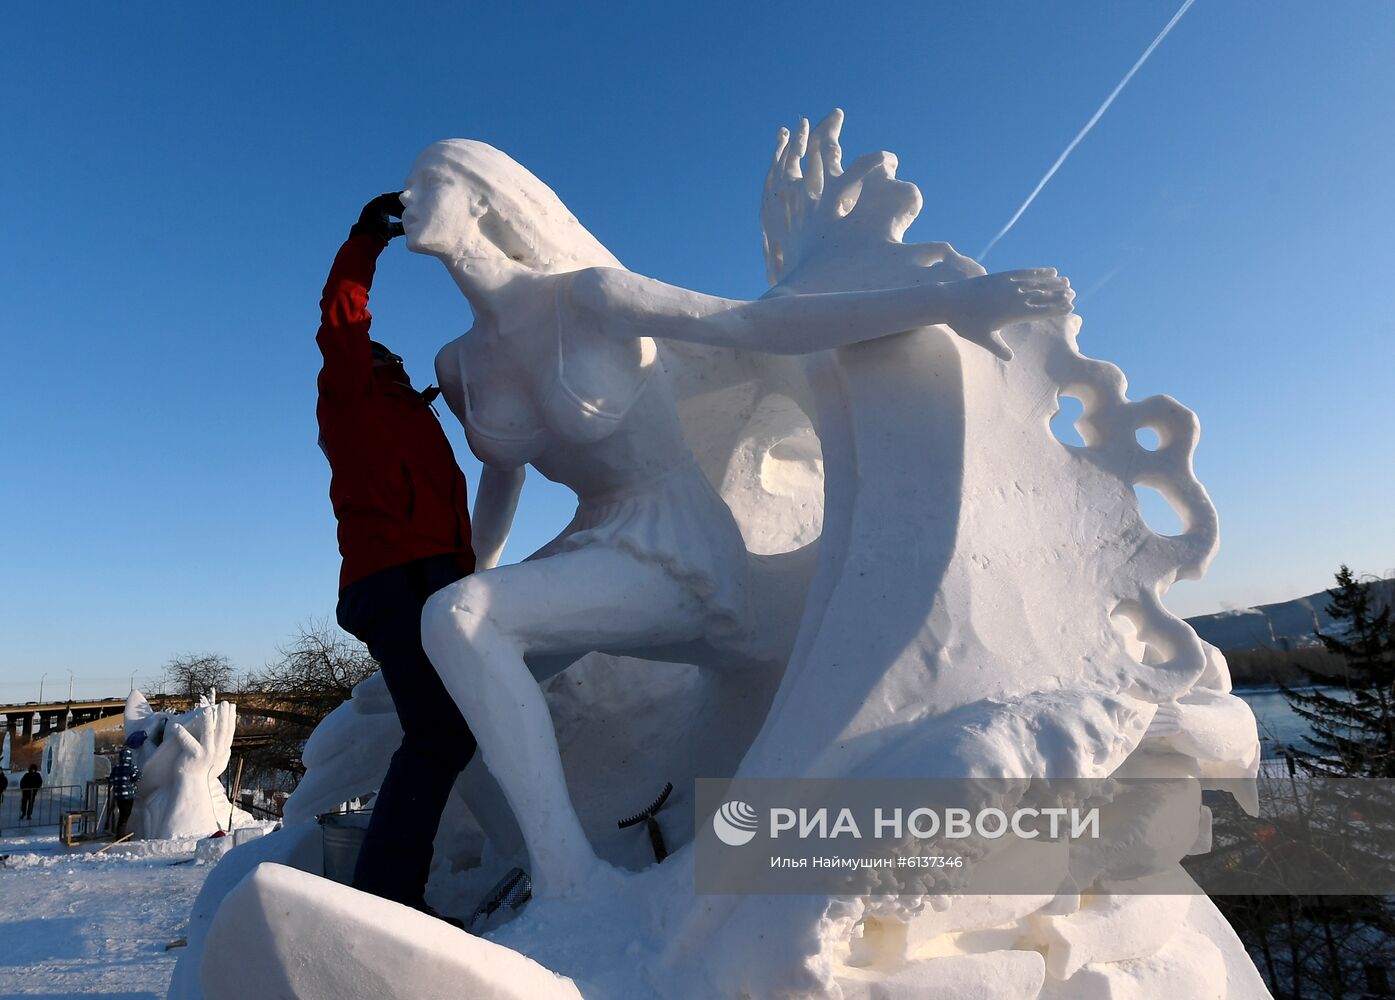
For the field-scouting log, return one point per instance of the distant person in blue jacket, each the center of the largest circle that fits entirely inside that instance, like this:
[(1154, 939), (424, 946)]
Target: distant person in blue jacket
[(124, 778)]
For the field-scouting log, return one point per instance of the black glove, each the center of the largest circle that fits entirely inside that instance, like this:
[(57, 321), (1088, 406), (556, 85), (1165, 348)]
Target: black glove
[(374, 220)]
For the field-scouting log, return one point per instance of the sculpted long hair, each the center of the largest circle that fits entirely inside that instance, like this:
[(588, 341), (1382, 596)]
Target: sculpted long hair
[(519, 217)]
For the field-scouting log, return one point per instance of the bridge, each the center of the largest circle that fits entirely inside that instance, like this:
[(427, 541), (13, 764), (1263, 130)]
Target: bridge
[(36, 720)]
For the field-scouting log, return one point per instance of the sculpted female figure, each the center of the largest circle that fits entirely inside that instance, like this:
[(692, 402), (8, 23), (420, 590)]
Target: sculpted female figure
[(561, 372)]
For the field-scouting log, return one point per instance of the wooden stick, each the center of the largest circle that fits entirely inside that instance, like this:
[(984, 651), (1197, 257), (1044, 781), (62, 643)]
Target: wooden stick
[(232, 799), (114, 843)]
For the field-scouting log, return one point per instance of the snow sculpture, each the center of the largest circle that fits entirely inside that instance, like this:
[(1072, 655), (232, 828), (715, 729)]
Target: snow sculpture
[(69, 762), (906, 575), (653, 556), (68, 765), (181, 761)]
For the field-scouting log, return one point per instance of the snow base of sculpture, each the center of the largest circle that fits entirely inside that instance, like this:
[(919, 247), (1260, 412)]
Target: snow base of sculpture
[(646, 935), (283, 933)]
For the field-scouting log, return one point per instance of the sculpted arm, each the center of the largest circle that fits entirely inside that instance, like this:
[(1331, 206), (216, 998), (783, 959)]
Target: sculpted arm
[(496, 502), (804, 323)]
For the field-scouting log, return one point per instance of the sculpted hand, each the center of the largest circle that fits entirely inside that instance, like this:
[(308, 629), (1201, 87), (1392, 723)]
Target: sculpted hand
[(817, 216), (1167, 721), (175, 781), (986, 304)]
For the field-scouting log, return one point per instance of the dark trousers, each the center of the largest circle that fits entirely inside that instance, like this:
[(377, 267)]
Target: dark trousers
[(26, 803), (123, 815), (384, 611)]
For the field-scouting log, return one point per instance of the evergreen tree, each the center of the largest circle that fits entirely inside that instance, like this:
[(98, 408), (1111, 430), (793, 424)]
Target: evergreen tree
[(1352, 734)]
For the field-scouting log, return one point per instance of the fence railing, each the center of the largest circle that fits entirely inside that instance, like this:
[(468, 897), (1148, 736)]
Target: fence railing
[(259, 812), (31, 809)]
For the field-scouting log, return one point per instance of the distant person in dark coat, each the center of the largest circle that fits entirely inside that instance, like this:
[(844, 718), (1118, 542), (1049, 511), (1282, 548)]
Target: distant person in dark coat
[(124, 778), (4, 784), (29, 786)]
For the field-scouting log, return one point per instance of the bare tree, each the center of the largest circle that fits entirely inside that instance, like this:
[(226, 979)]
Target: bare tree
[(316, 673), (193, 674)]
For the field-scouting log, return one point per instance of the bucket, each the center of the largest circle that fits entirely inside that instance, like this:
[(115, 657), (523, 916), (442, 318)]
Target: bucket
[(246, 834), (343, 835)]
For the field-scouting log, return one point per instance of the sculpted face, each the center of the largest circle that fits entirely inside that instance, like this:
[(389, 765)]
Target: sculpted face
[(472, 205), (442, 213)]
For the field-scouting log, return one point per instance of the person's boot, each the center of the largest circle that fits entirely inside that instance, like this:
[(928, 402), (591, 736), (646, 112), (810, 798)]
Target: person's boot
[(455, 922)]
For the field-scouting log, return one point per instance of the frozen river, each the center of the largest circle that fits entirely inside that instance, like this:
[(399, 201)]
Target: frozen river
[(1279, 725)]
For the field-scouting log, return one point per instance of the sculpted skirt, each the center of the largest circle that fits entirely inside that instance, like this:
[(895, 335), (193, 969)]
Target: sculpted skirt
[(678, 523)]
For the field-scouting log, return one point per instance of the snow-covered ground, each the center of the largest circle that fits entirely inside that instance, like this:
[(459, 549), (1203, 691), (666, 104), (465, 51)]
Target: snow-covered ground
[(78, 924)]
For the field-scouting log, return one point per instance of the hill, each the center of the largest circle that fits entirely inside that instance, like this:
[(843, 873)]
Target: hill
[(1282, 626), (1264, 644)]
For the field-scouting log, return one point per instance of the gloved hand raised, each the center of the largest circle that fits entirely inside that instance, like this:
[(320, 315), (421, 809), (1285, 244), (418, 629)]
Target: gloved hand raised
[(375, 221)]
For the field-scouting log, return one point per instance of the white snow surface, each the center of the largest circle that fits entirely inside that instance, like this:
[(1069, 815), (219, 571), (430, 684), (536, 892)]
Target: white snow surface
[(80, 924)]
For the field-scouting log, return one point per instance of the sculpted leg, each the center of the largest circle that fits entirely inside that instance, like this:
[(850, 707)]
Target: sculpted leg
[(477, 632)]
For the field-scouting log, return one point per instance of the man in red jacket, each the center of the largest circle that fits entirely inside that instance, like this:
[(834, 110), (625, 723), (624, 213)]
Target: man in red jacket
[(404, 533)]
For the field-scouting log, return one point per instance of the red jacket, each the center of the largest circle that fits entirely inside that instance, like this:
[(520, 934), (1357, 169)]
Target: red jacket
[(397, 492)]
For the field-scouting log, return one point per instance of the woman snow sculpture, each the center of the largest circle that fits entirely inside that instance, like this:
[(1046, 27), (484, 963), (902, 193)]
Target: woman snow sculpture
[(986, 602), (561, 371)]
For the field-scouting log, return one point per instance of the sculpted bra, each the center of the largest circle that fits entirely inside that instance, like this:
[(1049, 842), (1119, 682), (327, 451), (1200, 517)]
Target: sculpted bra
[(564, 410)]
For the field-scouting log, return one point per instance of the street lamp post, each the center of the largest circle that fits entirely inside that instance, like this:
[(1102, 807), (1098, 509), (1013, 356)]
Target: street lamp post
[(41, 687)]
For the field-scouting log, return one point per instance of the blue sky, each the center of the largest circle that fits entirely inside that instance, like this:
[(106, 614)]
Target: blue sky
[(179, 177)]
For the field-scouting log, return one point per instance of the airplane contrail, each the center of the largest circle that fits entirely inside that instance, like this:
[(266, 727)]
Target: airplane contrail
[(1088, 125)]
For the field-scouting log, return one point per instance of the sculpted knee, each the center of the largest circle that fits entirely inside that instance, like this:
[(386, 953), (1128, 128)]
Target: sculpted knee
[(455, 613)]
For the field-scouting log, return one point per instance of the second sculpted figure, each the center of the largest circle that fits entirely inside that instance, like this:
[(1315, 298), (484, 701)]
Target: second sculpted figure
[(561, 371)]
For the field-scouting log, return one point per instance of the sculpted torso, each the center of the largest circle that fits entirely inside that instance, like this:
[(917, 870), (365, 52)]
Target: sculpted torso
[(556, 392)]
